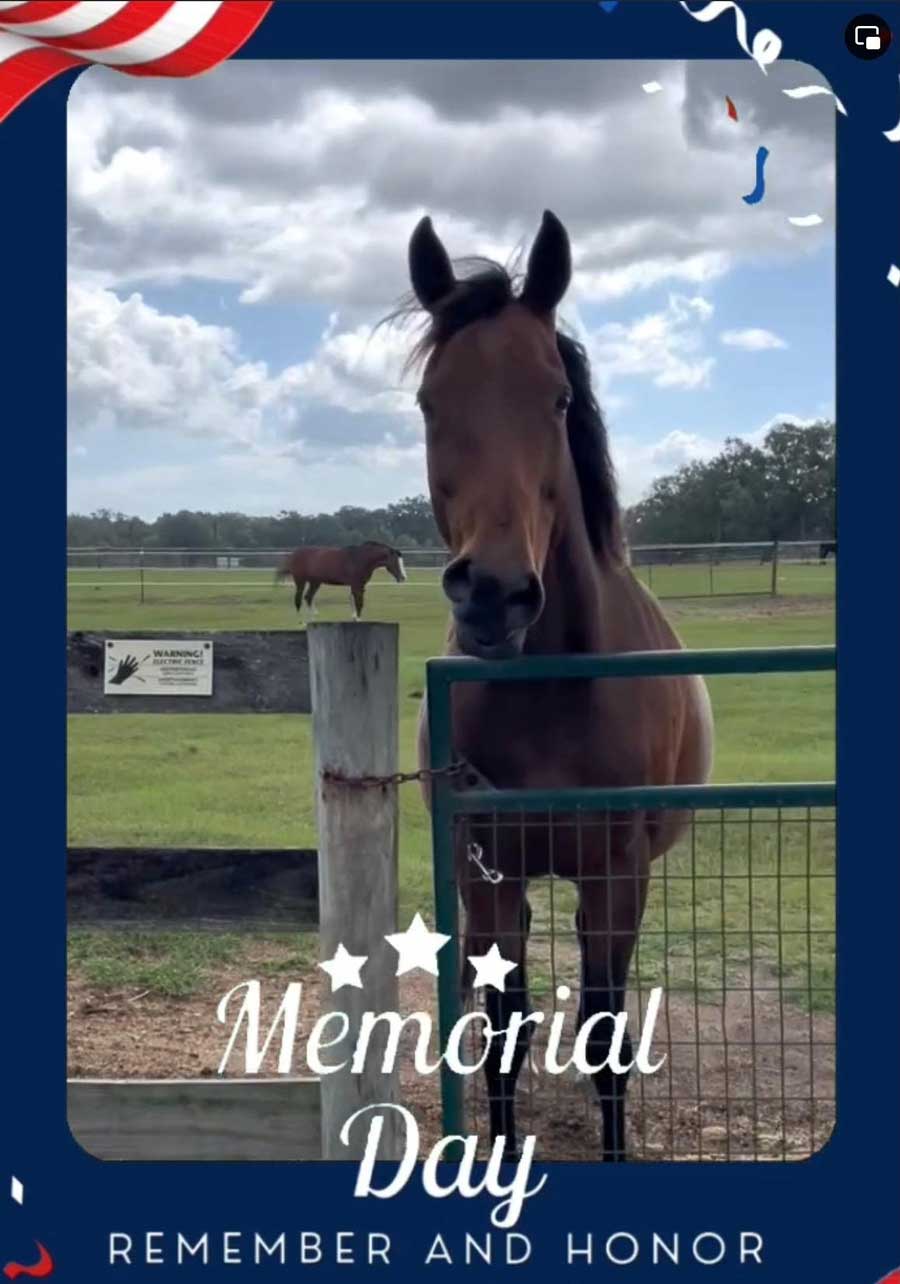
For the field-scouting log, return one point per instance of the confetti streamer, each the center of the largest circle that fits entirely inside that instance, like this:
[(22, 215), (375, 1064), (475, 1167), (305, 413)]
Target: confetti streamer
[(17, 1190), (812, 91), (652, 87), (759, 190), (766, 46), (893, 135), (894, 275), (807, 220), (732, 110), (36, 1271)]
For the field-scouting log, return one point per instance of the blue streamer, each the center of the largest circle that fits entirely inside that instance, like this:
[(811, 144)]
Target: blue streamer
[(759, 190)]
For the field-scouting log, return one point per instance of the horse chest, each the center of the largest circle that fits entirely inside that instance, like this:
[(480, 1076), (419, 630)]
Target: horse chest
[(543, 735)]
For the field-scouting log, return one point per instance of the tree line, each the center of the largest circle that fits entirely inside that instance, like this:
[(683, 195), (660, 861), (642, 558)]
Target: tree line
[(783, 489), (407, 524)]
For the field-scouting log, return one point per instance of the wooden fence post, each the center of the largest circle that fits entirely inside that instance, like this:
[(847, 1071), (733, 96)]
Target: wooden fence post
[(353, 672)]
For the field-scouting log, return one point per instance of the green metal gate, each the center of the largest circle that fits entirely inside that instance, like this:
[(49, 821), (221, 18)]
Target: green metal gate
[(750, 899)]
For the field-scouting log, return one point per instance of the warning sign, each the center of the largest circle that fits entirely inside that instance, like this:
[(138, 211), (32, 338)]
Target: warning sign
[(136, 666)]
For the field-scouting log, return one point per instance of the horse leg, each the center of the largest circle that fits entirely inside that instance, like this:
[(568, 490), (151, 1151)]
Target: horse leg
[(311, 592), (500, 915), (357, 592), (609, 915), (300, 585)]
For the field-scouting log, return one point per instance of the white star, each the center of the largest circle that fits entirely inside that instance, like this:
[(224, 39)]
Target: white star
[(417, 947), (17, 1190), (491, 969), (344, 969)]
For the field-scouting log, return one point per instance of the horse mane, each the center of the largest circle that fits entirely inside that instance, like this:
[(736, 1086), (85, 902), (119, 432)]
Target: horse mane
[(484, 291), (378, 543)]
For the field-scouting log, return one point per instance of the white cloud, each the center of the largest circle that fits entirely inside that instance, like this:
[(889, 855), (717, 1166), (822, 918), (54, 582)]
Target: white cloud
[(638, 463), (666, 347), (133, 366), (298, 184), (312, 191), (752, 340)]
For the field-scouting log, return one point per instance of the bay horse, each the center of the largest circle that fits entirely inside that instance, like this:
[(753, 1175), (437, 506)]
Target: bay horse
[(524, 495), (354, 566)]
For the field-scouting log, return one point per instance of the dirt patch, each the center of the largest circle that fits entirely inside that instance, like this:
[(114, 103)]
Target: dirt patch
[(749, 1078), (127, 1034), (737, 608)]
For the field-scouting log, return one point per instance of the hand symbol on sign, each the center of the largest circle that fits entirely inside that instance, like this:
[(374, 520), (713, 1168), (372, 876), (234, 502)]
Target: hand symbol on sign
[(127, 669)]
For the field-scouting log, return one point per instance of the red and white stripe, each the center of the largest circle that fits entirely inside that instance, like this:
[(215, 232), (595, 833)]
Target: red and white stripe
[(41, 38)]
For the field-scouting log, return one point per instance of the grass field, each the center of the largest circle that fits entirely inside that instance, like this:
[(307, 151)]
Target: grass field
[(247, 780)]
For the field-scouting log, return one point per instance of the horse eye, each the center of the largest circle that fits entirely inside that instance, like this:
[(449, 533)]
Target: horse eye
[(563, 401)]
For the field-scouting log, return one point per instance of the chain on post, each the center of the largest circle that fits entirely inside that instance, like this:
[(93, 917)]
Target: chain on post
[(397, 778)]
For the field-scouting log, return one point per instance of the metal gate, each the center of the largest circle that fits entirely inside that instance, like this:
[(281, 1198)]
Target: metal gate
[(738, 932)]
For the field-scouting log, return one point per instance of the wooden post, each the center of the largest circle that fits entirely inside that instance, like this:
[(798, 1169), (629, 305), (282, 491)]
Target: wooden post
[(353, 672), (775, 568)]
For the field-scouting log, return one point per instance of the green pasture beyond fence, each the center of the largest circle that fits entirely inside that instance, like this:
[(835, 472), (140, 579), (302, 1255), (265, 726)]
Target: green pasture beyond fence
[(739, 932)]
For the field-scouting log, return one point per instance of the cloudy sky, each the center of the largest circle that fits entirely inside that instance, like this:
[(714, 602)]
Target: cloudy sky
[(234, 239)]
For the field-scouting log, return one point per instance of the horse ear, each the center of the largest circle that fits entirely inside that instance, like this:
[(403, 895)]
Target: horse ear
[(430, 269), (549, 266)]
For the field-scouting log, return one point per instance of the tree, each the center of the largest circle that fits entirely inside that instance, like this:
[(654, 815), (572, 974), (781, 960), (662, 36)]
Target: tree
[(784, 489)]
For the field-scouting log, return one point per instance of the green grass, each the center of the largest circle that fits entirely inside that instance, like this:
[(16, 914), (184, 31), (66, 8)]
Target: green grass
[(173, 964), (248, 780)]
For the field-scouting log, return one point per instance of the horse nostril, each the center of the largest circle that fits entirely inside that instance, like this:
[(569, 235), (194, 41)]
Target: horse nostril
[(457, 578), (527, 599)]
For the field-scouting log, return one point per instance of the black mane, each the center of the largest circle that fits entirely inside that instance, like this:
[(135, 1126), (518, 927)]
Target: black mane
[(379, 543), (486, 290)]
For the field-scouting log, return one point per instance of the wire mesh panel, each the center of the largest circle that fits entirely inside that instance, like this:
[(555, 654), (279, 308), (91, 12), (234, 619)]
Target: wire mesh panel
[(738, 940)]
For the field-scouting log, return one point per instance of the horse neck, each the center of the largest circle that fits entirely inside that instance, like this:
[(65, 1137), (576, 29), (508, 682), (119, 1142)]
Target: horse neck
[(372, 558)]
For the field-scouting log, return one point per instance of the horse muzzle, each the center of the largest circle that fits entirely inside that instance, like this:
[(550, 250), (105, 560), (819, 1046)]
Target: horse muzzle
[(492, 615)]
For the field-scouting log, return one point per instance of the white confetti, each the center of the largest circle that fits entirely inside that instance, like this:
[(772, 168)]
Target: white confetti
[(652, 87), (894, 275), (17, 1190), (812, 91), (893, 135), (766, 45), (807, 220)]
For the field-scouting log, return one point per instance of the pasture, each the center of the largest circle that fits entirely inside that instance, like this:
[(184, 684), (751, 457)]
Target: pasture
[(247, 781)]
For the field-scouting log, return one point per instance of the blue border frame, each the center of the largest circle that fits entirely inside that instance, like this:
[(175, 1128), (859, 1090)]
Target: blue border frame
[(833, 1217)]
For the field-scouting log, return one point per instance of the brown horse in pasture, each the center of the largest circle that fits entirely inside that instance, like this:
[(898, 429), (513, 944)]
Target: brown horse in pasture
[(525, 497), (353, 566)]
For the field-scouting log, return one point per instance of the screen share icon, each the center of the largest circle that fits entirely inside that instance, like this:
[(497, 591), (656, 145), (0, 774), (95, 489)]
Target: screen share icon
[(868, 36)]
